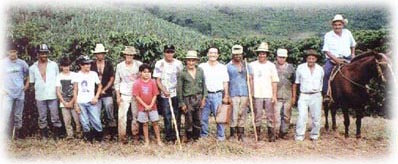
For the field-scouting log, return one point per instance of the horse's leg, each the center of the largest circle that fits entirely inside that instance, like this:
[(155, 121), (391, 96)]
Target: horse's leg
[(333, 113), (358, 122), (326, 109), (346, 121)]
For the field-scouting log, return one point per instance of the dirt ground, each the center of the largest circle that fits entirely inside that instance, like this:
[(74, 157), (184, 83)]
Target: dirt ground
[(374, 145)]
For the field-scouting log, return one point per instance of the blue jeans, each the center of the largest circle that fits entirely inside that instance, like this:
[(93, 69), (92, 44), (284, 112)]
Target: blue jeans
[(168, 126), (327, 68), (213, 100), (109, 111), (14, 110), (43, 106), (90, 114)]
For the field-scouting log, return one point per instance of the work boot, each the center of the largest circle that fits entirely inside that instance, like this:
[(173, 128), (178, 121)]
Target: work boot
[(88, 136), (195, 134), (56, 133), (113, 133), (188, 136), (271, 134), (98, 136)]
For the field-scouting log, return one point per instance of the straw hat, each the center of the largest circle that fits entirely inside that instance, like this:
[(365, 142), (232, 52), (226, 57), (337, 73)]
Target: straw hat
[(263, 47), (130, 50), (192, 55), (99, 48), (340, 17)]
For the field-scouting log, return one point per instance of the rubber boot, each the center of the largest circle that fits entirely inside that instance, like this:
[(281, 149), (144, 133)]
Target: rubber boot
[(241, 134), (259, 135), (232, 131), (271, 134), (44, 134)]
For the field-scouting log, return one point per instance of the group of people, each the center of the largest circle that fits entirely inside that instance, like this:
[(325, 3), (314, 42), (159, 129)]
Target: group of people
[(194, 90)]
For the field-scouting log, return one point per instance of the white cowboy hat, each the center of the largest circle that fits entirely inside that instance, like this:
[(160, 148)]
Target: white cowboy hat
[(263, 47), (281, 52), (99, 48), (340, 17)]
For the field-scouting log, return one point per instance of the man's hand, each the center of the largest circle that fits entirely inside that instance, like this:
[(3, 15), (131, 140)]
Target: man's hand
[(166, 94), (184, 109), (94, 101), (202, 103), (225, 100), (118, 100), (77, 109), (293, 101), (68, 104), (273, 100)]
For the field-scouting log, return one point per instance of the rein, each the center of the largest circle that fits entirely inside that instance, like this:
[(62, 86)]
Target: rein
[(368, 89)]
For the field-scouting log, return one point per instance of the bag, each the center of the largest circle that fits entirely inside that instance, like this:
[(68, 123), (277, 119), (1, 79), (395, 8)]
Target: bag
[(223, 114)]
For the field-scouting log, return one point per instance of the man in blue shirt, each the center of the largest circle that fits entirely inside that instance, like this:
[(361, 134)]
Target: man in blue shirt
[(238, 92), (15, 74)]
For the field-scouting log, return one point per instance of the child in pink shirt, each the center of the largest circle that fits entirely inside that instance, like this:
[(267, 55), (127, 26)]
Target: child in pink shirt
[(145, 92)]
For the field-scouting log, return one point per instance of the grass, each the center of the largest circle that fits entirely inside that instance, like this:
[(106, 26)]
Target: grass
[(375, 143)]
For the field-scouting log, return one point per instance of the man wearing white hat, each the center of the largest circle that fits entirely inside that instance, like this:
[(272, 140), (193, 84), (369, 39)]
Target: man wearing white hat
[(106, 74), (265, 79), (286, 96), (238, 92), (191, 93), (127, 72), (339, 47)]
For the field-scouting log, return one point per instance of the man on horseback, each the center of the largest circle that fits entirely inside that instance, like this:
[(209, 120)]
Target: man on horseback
[(339, 47)]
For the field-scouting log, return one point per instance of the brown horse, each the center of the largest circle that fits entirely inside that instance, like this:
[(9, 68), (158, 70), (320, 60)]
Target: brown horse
[(349, 87)]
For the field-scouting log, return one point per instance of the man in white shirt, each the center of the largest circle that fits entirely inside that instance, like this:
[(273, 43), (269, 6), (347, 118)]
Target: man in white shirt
[(264, 86), (165, 72), (216, 80), (309, 77), (43, 74), (126, 74), (339, 47)]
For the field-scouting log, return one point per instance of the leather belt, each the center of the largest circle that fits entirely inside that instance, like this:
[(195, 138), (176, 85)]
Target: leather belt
[(215, 91)]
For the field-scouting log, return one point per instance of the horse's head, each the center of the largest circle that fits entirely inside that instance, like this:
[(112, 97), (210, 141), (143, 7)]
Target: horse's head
[(378, 61)]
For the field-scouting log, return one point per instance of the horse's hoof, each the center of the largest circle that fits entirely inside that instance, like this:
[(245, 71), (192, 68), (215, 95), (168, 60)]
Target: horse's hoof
[(358, 136), (346, 135)]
